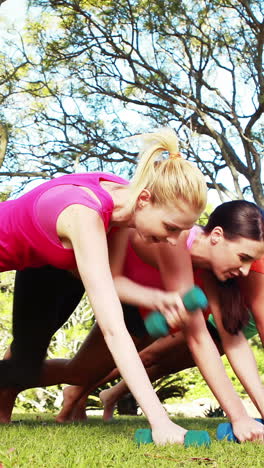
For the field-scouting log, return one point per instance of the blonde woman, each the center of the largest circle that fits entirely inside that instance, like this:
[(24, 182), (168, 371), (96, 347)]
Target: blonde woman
[(63, 223), (226, 247)]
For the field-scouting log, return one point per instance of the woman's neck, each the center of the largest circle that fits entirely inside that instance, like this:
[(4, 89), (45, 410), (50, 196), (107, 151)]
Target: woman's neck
[(200, 251), (121, 216)]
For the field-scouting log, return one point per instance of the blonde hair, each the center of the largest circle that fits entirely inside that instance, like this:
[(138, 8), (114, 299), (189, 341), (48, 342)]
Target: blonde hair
[(170, 180)]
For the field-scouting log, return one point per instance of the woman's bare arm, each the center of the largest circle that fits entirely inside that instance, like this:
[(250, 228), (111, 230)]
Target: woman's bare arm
[(236, 347), (85, 230), (244, 365), (253, 290)]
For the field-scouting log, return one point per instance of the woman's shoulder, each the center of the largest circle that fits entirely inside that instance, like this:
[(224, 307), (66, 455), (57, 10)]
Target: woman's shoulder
[(94, 178), (109, 176)]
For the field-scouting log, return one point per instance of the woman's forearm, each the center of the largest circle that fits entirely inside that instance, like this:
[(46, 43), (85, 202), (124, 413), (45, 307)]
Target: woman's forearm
[(133, 293), (244, 365), (111, 321), (208, 360), (134, 374)]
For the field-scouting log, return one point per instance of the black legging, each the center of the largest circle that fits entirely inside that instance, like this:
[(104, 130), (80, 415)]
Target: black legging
[(44, 299)]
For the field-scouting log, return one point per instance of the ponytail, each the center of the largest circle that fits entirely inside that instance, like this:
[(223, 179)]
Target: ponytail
[(169, 180)]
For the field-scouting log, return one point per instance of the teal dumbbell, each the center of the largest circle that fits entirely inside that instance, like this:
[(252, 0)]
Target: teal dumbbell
[(225, 431), (155, 322), (191, 439)]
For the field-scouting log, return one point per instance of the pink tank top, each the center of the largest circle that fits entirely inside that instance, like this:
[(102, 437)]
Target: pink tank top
[(28, 235), (145, 274)]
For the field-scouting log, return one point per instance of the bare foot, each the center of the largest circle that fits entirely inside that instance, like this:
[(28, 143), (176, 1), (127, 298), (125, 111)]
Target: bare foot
[(69, 401), (7, 401), (78, 413), (73, 408), (109, 406)]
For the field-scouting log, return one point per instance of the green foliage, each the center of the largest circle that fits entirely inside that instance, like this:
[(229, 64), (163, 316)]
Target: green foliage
[(205, 215), (169, 387), (6, 281), (197, 388), (213, 412), (5, 194)]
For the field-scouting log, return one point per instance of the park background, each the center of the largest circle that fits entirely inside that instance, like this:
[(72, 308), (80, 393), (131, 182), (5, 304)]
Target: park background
[(78, 77)]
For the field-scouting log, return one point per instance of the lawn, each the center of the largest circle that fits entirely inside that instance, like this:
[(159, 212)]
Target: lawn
[(36, 442)]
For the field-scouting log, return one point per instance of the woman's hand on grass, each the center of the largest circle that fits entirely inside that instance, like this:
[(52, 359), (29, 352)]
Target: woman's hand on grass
[(168, 433), (248, 429)]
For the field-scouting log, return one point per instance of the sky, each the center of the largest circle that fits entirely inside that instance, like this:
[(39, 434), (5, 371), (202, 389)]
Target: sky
[(12, 11)]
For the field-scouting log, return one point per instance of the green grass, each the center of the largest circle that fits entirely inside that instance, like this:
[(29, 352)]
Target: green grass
[(41, 443)]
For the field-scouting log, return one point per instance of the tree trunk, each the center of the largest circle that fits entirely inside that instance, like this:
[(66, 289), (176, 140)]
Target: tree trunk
[(3, 139)]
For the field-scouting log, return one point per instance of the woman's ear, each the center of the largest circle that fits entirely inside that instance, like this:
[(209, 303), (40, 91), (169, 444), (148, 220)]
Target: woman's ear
[(216, 235), (144, 198)]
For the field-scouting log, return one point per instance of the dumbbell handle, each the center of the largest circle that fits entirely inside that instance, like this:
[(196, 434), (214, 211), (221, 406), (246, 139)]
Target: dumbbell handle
[(194, 299), (225, 431), (155, 322), (191, 438)]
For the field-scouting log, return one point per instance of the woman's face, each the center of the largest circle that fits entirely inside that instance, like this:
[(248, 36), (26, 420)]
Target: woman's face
[(159, 223), (233, 258)]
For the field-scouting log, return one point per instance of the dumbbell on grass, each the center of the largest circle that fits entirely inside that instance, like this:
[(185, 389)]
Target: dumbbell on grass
[(191, 439), (155, 322), (225, 431)]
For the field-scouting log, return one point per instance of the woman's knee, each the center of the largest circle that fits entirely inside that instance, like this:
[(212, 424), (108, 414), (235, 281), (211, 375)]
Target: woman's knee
[(148, 358)]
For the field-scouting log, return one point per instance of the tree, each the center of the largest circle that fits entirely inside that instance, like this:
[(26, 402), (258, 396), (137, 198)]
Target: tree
[(3, 142), (101, 70)]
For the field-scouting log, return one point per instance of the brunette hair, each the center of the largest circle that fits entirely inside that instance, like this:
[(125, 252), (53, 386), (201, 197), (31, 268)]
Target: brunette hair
[(238, 218)]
